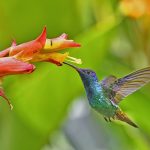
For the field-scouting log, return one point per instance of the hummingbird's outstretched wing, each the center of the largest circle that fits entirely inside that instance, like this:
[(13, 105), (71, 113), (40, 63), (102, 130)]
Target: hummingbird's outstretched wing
[(122, 87)]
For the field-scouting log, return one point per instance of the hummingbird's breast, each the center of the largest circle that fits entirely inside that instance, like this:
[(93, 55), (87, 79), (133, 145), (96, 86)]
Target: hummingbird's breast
[(99, 101)]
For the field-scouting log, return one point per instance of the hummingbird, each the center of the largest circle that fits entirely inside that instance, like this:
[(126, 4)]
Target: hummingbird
[(104, 96)]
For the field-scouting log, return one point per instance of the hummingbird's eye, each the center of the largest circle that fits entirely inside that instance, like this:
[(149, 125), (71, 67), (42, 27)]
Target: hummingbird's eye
[(88, 72)]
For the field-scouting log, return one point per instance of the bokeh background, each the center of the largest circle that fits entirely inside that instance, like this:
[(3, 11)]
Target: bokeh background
[(51, 111)]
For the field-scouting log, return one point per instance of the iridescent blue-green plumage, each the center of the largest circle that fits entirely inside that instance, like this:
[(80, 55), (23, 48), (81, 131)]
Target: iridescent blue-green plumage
[(96, 95), (104, 96)]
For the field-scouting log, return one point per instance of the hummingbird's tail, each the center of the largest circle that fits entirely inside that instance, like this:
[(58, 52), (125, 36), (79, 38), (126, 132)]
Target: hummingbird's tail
[(120, 115)]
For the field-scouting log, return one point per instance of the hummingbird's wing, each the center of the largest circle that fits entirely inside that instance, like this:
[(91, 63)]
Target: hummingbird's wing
[(122, 87)]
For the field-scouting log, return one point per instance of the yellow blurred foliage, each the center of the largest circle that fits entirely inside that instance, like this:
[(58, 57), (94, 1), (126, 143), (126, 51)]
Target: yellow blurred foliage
[(135, 8)]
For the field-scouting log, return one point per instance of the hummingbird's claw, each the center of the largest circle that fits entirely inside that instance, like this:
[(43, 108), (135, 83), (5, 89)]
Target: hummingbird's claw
[(107, 119)]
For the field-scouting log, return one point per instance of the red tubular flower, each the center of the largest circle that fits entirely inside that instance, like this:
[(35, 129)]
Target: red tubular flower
[(11, 66), (5, 52), (50, 51), (59, 43), (26, 50), (16, 59), (42, 49)]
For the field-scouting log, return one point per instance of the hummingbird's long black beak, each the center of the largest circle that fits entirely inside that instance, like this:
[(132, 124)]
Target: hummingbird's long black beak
[(76, 68)]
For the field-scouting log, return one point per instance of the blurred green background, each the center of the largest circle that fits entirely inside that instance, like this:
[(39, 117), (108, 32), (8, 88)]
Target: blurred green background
[(50, 108)]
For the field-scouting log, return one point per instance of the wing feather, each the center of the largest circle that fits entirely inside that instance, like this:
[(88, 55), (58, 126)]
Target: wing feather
[(125, 86)]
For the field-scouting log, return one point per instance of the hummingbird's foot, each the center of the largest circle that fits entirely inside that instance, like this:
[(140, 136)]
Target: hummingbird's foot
[(107, 119)]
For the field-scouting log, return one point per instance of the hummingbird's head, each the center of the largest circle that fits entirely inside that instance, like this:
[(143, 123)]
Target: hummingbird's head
[(84, 73)]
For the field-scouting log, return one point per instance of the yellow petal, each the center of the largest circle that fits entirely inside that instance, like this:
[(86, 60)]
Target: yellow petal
[(57, 44), (56, 58)]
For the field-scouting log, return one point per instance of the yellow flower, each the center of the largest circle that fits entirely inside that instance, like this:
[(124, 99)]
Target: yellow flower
[(135, 8)]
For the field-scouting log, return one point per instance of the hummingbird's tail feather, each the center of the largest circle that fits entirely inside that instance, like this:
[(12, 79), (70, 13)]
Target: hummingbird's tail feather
[(120, 115)]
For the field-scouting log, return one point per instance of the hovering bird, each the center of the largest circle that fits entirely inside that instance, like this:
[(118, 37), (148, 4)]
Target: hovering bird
[(104, 96)]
